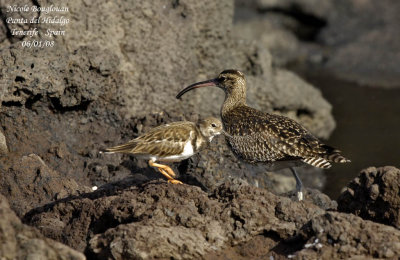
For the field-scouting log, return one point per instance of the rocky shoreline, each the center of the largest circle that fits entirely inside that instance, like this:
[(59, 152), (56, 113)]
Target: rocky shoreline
[(118, 78), (127, 220)]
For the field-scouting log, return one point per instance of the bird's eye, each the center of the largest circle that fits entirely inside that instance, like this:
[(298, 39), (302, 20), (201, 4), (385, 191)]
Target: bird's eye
[(213, 125)]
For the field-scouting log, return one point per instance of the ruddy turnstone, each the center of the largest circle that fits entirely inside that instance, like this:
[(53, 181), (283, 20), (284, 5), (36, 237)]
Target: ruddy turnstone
[(172, 142)]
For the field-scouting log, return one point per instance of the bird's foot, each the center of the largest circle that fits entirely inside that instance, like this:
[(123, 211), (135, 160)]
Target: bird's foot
[(173, 181), (300, 195), (170, 172), (166, 171)]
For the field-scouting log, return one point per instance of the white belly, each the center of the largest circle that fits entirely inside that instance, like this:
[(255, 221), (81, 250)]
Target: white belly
[(187, 152)]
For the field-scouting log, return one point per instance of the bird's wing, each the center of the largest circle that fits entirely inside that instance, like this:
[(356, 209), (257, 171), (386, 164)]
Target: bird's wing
[(283, 134), (292, 138), (164, 140), (295, 140), (279, 137), (160, 141)]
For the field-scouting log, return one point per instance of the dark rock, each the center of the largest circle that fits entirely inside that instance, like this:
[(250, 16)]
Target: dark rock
[(115, 80), (68, 80), (164, 220), (374, 195), (28, 183), (331, 235), (19, 241), (81, 74), (343, 38), (266, 246), (365, 48), (281, 43), (310, 7), (341, 236), (98, 88), (321, 200)]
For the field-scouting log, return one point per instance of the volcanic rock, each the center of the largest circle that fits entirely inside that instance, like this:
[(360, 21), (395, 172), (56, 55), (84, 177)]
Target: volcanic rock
[(375, 195), (19, 241)]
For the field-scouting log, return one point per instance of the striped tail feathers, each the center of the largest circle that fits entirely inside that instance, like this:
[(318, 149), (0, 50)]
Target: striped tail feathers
[(337, 158), (324, 160), (333, 155), (318, 162)]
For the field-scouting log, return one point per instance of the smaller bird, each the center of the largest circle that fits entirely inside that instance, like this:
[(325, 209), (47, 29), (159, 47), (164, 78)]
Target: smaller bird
[(172, 142)]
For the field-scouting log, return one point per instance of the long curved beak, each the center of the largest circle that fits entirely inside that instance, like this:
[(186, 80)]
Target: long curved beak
[(207, 83)]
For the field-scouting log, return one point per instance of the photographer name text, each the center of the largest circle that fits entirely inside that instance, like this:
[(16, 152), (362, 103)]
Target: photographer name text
[(51, 15)]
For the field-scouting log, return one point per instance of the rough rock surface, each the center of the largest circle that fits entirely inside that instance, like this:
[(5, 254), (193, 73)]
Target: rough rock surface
[(374, 195), (31, 183), (19, 241), (178, 57), (235, 220), (68, 80), (341, 236), (344, 38), (366, 49), (115, 79), (331, 235), (184, 221), (107, 84)]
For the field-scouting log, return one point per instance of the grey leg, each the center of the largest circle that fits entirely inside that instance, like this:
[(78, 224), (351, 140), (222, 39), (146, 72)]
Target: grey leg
[(299, 185)]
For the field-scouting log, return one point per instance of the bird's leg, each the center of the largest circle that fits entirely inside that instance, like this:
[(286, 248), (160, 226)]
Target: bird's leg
[(166, 171), (171, 180), (299, 185)]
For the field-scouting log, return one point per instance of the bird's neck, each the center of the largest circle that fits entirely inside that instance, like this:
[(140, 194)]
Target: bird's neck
[(233, 99), (201, 139)]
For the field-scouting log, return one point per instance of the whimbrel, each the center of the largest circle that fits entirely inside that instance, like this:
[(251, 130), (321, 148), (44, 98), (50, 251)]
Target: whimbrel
[(172, 142), (259, 137)]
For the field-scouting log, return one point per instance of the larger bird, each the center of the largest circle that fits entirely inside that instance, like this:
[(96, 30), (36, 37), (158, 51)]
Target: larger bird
[(255, 136)]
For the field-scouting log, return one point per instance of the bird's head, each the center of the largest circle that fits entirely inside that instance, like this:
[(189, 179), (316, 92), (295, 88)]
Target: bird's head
[(231, 81), (210, 127)]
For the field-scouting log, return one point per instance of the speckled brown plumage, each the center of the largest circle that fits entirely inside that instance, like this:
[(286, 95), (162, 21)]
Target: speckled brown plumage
[(274, 138), (257, 136), (171, 143)]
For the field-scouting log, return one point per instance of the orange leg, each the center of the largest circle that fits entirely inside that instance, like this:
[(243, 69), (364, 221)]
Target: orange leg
[(166, 171)]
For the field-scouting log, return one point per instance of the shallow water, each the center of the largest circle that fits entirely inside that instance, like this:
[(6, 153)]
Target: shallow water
[(367, 128)]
